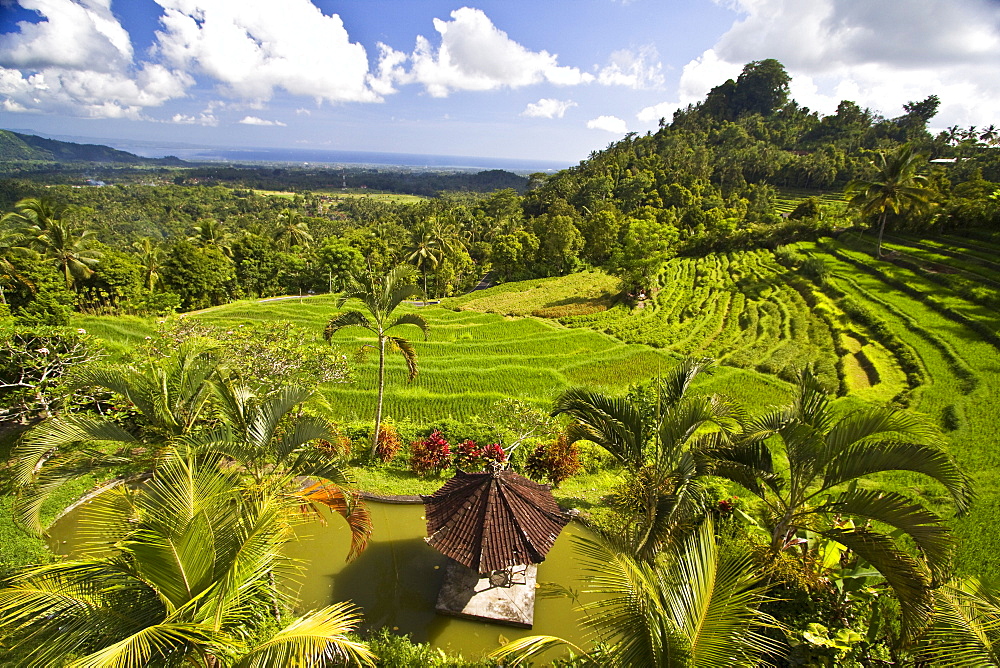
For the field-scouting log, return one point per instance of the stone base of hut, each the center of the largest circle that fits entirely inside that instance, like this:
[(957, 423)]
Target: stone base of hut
[(465, 594)]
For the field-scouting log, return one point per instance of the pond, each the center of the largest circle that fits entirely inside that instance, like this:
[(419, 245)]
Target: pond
[(396, 580)]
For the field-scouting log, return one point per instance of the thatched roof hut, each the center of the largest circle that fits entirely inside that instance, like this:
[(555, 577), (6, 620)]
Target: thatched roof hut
[(493, 521)]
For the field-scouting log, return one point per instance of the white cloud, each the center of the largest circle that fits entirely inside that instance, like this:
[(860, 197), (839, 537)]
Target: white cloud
[(203, 118), (635, 69), (473, 55), (82, 35), (78, 61), (253, 120), (608, 124), (878, 54), (655, 112), (548, 107), (303, 112), (252, 48)]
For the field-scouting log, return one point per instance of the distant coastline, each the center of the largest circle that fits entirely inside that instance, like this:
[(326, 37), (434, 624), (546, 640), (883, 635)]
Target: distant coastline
[(353, 158), (299, 156)]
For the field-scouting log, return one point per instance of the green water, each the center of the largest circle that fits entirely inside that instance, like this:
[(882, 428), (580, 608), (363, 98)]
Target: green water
[(396, 580)]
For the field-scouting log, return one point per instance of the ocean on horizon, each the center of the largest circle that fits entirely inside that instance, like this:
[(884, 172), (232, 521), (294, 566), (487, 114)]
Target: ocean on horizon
[(300, 156)]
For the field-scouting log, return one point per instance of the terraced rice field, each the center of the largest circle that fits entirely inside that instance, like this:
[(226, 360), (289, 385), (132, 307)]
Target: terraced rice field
[(789, 198), (921, 332)]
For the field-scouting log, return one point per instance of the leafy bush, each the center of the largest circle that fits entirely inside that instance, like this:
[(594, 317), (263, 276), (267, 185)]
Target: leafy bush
[(554, 461), (430, 455), (470, 457), (33, 361), (395, 651), (389, 443)]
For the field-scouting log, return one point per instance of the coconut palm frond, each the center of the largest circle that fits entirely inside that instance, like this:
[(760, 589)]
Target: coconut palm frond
[(409, 354), (317, 637), (347, 504), (926, 529), (965, 632)]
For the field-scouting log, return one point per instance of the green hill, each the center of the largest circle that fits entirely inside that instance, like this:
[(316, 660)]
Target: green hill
[(15, 146)]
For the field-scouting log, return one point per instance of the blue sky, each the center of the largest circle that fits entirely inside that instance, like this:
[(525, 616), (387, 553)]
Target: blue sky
[(546, 79)]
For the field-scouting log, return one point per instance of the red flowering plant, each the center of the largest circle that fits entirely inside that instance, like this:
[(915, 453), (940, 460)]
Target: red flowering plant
[(468, 456), (471, 457), (725, 507), (430, 455)]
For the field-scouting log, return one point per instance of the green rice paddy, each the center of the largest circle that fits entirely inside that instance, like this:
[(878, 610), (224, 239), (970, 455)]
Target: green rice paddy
[(923, 341)]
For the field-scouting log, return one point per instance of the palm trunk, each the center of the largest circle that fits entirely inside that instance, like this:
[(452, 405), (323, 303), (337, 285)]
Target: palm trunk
[(381, 390), (881, 230)]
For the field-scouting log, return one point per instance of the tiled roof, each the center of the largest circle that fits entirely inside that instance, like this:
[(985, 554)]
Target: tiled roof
[(490, 521)]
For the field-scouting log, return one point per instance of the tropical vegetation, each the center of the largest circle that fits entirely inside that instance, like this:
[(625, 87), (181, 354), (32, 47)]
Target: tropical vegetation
[(778, 426)]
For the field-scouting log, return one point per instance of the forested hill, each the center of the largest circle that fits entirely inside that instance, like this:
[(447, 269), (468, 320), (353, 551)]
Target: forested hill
[(15, 146), (713, 173)]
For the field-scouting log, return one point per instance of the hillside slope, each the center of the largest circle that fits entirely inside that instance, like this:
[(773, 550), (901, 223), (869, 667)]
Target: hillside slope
[(17, 146)]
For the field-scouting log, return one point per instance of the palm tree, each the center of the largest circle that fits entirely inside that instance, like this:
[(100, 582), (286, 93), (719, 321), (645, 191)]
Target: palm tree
[(190, 571), (170, 396), (265, 434), (380, 297), (663, 448), (151, 256), (699, 606), (425, 252), (897, 184), (261, 432), (36, 213), (70, 247), (210, 232), (292, 230), (813, 468), (46, 224), (14, 246)]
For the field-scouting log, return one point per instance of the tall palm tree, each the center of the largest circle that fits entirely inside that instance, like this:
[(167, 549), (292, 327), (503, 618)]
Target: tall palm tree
[(896, 185), (70, 247), (151, 257), (292, 230), (698, 607), (425, 251), (663, 448), (191, 569), (381, 296), (813, 468)]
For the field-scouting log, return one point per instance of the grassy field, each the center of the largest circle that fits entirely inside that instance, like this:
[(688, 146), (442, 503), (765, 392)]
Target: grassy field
[(875, 331), (355, 193)]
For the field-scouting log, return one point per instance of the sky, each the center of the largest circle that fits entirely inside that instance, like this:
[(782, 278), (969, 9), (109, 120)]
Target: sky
[(540, 80)]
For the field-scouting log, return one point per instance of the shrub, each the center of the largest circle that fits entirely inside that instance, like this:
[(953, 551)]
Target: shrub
[(389, 443), (430, 455), (470, 457), (554, 461)]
